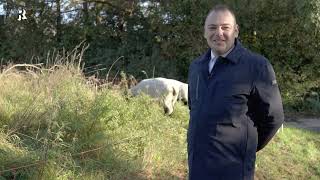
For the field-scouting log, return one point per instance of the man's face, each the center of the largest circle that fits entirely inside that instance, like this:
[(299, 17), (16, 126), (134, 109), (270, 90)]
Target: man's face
[(220, 31)]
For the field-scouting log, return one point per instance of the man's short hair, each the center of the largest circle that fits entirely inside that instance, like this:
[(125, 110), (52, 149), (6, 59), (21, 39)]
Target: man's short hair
[(222, 7)]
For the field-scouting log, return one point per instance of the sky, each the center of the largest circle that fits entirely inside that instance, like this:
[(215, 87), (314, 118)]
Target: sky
[(1, 9)]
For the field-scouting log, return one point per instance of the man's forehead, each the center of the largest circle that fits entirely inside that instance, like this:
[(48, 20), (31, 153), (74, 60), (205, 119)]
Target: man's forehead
[(220, 18)]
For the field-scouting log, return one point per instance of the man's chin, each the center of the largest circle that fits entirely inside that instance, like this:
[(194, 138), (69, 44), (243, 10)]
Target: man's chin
[(219, 51)]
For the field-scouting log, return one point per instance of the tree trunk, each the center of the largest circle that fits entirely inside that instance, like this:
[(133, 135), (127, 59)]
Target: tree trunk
[(86, 13), (58, 23)]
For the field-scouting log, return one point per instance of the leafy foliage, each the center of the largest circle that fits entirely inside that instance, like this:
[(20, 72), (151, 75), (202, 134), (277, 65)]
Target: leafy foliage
[(163, 37)]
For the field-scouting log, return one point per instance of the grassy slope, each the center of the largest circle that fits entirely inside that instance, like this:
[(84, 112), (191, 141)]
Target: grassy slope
[(293, 154), (53, 116)]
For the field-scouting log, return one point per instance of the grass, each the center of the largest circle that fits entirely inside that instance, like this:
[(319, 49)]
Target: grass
[(54, 117), (292, 154)]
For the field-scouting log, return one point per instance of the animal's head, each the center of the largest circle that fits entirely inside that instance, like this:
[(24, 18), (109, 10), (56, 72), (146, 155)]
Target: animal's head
[(169, 101), (183, 93), (168, 106)]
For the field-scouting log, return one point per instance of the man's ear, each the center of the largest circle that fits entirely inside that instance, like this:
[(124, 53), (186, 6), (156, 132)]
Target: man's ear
[(236, 29), (204, 33)]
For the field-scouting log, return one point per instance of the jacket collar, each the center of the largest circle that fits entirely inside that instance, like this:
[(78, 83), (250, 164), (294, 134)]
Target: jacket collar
[(233, 56)]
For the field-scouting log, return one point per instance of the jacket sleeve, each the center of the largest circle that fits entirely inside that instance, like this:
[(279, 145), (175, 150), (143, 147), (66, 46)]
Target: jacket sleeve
[(267, 105)]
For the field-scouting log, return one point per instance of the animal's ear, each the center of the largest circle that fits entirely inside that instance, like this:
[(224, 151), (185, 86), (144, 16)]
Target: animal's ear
[(174, 92)]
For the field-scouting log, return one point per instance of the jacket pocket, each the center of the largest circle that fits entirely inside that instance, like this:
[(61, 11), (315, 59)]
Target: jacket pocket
[(230, 102), (229, 141), (235, 89), (194, 85), (235, 96)]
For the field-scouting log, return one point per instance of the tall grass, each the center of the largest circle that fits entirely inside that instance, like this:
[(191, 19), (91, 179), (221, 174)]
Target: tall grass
[(51, 115), (57, 126)]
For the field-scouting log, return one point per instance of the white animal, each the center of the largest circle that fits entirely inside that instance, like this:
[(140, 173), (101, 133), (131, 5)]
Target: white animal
[(167, 91)]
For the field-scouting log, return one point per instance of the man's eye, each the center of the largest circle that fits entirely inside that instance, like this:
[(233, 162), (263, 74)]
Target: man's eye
[(212, 28), (226, 28)]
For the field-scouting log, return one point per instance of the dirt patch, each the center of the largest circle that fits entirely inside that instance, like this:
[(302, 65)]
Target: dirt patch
[(312, 124)]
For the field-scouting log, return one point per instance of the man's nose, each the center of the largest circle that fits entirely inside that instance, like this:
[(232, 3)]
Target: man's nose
[(219, 31)]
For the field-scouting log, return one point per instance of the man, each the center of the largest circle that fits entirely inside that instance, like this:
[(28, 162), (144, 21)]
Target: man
[(235, 104)]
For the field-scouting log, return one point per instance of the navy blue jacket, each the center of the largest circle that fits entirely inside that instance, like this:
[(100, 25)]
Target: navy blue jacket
[(234, 112)]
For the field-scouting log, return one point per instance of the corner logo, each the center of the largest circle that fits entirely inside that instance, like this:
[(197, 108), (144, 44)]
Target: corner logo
[(22, 15)]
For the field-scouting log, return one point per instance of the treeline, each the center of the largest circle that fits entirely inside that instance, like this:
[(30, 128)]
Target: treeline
[(163, 37)]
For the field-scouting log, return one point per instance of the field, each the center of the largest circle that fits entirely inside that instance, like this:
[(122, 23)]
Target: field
[(56, 125)]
